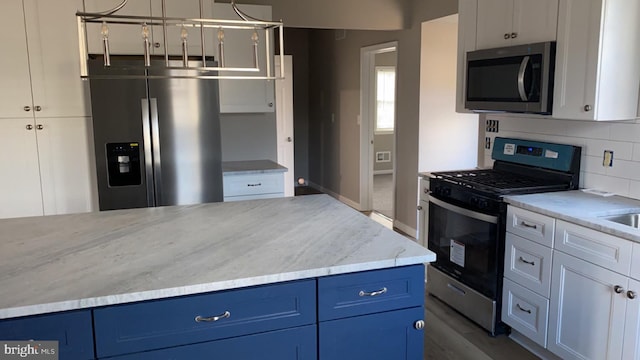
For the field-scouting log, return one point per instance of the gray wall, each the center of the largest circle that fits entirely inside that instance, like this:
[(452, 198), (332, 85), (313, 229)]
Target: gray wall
[(248, 137)]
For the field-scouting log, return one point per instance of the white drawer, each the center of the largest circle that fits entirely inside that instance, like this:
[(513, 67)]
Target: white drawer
[(252, 184), (528, 264), (525, 311), (531, 225), (608, 251)]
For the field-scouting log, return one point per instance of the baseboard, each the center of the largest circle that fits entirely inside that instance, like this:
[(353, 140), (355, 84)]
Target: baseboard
[(383, 172), (405, 229), (343, 199), (534, 348)]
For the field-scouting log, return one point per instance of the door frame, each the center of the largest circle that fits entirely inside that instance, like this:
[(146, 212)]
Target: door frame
[(366, 120)]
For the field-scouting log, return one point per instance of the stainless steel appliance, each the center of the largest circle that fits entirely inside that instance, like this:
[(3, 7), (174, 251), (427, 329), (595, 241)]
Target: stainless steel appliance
[(466, 221), (157, 139), (514, 79)]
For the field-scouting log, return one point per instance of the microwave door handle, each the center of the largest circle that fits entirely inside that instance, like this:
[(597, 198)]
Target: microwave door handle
[(521, 73)]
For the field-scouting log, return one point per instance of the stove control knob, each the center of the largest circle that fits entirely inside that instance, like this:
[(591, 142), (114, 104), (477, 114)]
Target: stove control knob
[(474, 201), (483, 204), (447, 192)]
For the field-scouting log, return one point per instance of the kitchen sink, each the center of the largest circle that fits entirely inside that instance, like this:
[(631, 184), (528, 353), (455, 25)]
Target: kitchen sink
[(625, 219)]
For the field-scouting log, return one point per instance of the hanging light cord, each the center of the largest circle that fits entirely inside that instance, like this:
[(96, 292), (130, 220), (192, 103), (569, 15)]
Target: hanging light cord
[(242, 15), (109, 12)]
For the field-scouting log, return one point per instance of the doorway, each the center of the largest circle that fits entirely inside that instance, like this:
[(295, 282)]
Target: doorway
[(378, 120)]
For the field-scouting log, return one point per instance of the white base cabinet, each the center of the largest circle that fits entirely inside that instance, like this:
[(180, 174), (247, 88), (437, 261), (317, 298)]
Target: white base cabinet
[(253, 186)]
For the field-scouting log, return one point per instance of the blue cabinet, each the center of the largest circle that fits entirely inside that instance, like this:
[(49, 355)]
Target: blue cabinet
[(166, 323), (73, 331), (289, 344), (382, 336)]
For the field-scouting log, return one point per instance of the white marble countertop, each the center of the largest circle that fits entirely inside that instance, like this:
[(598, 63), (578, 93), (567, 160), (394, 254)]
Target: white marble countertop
[(230, 168), (583, 209), (65, 262)]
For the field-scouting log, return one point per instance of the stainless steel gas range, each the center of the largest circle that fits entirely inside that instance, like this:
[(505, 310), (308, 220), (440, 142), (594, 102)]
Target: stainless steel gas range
[(466, 221)]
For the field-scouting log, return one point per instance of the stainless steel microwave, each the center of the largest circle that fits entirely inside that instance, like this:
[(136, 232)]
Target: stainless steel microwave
[(511, 79)]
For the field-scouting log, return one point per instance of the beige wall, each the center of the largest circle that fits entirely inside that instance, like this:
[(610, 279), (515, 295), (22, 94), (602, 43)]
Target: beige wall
[(334, 89), (337, 14)]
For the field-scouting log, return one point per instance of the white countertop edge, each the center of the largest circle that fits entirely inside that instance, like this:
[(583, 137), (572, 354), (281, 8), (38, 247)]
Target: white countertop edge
[(246, 172), (86, 303)]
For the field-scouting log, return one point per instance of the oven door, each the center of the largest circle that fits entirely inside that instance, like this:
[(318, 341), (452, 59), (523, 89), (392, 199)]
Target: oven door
[(466, 243)]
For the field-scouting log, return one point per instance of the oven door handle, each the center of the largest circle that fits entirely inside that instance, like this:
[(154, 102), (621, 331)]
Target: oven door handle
[(465, 212)]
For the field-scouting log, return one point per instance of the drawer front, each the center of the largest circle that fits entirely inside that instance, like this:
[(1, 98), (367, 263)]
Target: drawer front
[(528, 264), (608, 251), (73, 331), (252, 184), (367, 292), (531, 225), (186, 320), (525, 311), (291, 344), (253, 197)]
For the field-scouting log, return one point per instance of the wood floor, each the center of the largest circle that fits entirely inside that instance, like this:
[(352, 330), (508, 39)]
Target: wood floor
[(449, 336)]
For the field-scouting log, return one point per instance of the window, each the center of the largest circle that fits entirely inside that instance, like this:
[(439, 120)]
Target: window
[(385, 99)]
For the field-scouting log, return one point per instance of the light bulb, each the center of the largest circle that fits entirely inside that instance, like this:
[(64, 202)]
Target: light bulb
[(145, 31), (104, 30), (184, 33), (254, 37), (220, 35)]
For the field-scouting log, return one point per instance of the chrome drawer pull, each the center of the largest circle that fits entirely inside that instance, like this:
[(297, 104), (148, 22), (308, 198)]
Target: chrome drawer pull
[(213, 318), (527, 262), (251, 185), (528, 225), (374, 293), (521, 309)]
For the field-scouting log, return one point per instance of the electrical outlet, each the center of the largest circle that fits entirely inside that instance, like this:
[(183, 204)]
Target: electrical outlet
[(487, 143), (607, 159), (492, 126)]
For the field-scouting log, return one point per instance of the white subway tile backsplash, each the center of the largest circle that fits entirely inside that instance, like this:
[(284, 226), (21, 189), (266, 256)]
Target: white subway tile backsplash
[(623, 138)]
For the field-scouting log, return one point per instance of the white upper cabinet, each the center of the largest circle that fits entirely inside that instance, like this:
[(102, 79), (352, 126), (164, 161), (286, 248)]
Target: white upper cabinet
[(242, 96), (15, 96), (467, 19), (514, 22), (597, 60)]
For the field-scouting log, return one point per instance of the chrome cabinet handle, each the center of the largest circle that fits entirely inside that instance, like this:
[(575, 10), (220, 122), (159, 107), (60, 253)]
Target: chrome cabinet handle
[(528, 225), (419, 208), (418, 325), (522, 309), (527, 262), (507, 36), (631, 294), (373, 293), (29, 127), (252, 185), (27, 108), (289, 139), (514, 35), (587, 108), (39, 127), (225, 315), (618, 289), (38, 108)]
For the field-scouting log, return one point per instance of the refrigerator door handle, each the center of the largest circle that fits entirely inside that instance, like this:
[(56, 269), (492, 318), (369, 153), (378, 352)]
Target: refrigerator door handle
[(148, 148), (155, 138)]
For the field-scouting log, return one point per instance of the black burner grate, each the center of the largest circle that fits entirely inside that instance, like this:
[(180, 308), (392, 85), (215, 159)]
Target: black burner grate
[(500, 182)]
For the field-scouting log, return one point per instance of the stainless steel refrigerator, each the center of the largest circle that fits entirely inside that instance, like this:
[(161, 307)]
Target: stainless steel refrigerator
[(157, 140)]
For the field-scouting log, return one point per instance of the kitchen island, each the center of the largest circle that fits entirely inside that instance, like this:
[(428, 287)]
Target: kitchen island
[(294, 257)]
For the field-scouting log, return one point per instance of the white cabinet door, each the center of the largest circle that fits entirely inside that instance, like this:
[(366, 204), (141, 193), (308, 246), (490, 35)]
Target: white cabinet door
[(15, 93), (66, 165), (631, 349), (20, 193), (244, 96), (495, 23), (534, 21), (597, 60), (123, 39), (187, 10), (587, 316), (513, 22), (54, 60)]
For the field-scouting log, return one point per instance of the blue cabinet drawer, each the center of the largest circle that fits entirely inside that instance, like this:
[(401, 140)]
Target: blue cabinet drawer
[(369, 292), (73, 331), (289, 344), (383, 336), (172, 322)]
